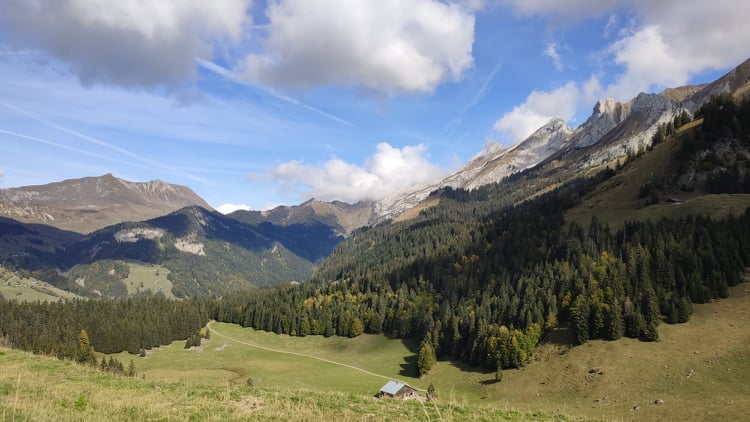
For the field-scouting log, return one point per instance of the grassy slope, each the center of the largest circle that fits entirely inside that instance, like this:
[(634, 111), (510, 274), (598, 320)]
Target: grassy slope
[(713, 343), (35, 388), (152, 277), (29, 289), (222, 360), (616, 200), (633, 373), (211, 384), (148, 277)]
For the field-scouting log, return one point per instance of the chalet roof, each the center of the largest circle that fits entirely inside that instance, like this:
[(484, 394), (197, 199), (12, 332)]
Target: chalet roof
[(392, 387)]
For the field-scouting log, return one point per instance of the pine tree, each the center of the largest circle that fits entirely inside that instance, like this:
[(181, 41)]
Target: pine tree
[(426, 355), (85, 353)]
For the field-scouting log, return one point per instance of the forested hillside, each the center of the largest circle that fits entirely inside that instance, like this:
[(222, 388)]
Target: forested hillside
[(480, 277)]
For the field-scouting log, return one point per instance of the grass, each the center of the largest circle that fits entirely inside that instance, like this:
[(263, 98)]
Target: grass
[(414, 212), (701, 370), (716, 206), (148, 277), (36, 388), (606, 380), (29, 289), (222, 360), (616, 200), (599, 380)]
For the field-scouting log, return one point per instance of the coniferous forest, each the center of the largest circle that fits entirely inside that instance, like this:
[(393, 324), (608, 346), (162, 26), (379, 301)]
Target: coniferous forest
[(479, 278)]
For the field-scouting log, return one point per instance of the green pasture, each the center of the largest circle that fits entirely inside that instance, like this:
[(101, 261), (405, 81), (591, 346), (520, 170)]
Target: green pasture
[(143, 277), (618, 380)]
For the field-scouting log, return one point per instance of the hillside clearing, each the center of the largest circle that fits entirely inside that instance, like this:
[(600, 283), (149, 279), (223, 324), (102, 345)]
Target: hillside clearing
[(12, 286), (699, 369), (142, 278)]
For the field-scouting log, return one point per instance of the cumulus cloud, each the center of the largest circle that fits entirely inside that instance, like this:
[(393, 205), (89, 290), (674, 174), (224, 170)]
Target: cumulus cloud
[(389, 170), (230, 208), (540, 106), (387, 46), (674, 40), (133, 43), (664, 45)]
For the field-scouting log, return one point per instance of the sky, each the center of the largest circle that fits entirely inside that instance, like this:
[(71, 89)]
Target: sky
[(255, 104)]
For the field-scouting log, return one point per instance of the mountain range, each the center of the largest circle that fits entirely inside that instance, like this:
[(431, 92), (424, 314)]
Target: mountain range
[(67, 228), (84, 205), (611, 131)]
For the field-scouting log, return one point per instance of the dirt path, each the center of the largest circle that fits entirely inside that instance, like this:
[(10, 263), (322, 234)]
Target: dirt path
[(215, 332)]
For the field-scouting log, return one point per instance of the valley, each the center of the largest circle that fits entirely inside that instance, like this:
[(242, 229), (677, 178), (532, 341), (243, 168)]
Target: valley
[(698, 369), (597, 272)]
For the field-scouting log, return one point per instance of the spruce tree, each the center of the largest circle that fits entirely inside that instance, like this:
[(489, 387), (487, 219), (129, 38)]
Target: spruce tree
[(426, 355)]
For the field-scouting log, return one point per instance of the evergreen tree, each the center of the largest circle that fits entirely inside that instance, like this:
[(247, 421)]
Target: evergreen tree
[(131, 369), (425, 355)]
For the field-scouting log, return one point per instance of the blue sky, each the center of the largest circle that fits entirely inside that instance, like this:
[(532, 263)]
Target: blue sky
[(257, 104)]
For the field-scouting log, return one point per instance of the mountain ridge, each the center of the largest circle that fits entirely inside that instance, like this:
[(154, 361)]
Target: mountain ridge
[(90, 203), (611, 132)]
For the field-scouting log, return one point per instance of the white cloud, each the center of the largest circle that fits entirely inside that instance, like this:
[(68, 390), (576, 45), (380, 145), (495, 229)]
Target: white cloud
[(387, 46), (389, 170), (541, 106), (564, 8), (230, 208), (134, 43), (674, 40), (551, 52), (2, 172), (664, 45), (666, 41)]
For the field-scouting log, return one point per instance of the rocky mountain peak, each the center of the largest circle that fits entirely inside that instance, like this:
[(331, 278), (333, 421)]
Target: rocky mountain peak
[(607, 114), (544, 141), (90, 203), (604, 106)]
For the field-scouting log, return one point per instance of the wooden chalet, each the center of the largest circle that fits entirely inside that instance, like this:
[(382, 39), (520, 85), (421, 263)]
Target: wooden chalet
[(395, 389)]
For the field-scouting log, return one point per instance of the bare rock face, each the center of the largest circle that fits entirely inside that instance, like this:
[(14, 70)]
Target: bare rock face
[(492, 164), (636, 130), (544, 142), (91, 203), (607, 114)]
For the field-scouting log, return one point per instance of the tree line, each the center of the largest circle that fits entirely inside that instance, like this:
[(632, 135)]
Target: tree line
[(110, 326)]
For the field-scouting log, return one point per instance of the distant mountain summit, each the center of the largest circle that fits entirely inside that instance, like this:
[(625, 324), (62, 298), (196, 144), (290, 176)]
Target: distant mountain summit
[(613, 130), (492, 164), (343, 218), (87, 204)]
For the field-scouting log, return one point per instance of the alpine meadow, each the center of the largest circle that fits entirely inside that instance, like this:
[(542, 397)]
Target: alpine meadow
[(576, 268)]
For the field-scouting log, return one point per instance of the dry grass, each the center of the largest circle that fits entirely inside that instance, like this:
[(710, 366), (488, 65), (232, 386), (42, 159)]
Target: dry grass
[(414, 212), (616, 200)]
